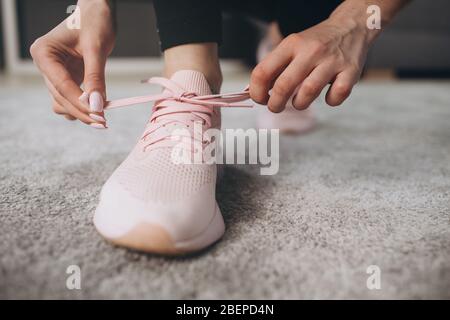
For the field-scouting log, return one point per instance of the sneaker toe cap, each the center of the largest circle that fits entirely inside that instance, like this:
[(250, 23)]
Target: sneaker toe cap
[(167, 228)]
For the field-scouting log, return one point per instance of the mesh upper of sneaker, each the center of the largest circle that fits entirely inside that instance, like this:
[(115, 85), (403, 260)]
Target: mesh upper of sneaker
[(157, 178), (149, 172)]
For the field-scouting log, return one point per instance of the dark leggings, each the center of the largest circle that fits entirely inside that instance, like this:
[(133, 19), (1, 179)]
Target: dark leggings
[(195, 21)]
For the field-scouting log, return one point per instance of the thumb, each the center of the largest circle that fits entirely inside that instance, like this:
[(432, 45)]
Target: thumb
[(94, 79)]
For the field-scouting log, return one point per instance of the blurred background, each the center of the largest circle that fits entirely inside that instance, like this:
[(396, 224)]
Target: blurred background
[(417, 44)]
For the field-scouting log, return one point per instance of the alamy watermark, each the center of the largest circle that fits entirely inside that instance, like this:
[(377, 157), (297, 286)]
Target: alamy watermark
[(73, 281), (73, 22), (374, 20), (373, 282), (231, 146)]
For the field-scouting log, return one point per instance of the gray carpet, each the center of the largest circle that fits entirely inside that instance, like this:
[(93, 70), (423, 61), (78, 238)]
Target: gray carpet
[(371, 186)]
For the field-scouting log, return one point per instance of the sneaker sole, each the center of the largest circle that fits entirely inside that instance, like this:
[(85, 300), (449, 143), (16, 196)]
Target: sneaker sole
[(152, 238)]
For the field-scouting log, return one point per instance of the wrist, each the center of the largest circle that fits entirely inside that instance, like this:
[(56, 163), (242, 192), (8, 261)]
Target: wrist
[(104, 9), (353, 17), (105, 5)]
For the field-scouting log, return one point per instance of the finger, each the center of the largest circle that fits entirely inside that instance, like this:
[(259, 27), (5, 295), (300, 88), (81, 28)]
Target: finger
[(342, 87), (57, 102), (65, 115), (94, 79), (313, 85), (65, 87), (99, 117), (265, 73), (288, 81), (70, 109), (57, 108), (69, 117)]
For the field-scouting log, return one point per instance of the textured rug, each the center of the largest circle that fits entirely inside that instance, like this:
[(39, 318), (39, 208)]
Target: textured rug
[(370, 186)]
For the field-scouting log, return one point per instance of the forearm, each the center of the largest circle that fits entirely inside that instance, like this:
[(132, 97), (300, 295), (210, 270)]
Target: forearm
[(99, 9), (354, 13)]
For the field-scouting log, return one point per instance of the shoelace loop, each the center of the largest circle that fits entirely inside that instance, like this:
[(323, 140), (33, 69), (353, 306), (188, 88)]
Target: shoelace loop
[(175, 105), (176, 93)]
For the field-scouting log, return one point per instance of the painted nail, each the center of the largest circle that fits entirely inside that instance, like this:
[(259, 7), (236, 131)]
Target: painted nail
[(96, 101), (84, 97), (98, 126), (96, 117)]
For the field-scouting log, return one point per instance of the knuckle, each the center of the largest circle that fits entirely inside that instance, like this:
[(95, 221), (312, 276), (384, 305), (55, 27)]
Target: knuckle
[(259, 74), (257, 97), (282, 87), (95, 79), (318, 47), (292, 39), (38, 48), (310, 87), (291, 42), (343, 90)]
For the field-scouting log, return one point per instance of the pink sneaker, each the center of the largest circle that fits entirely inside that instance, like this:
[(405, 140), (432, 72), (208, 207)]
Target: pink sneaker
[(152, 204), (289, 121)]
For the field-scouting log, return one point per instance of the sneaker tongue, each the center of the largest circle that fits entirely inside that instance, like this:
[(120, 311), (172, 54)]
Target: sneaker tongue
[(192, 81)]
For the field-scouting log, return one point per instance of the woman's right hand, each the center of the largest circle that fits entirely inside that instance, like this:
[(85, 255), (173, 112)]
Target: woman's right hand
[(69, 57)]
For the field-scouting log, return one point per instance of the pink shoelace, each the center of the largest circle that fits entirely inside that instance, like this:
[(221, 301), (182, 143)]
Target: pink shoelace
[(176, 106)]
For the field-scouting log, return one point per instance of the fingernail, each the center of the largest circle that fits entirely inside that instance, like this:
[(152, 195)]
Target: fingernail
[(96, 101), (98, 126), (292, 100), (84, 97), (96, 117)]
